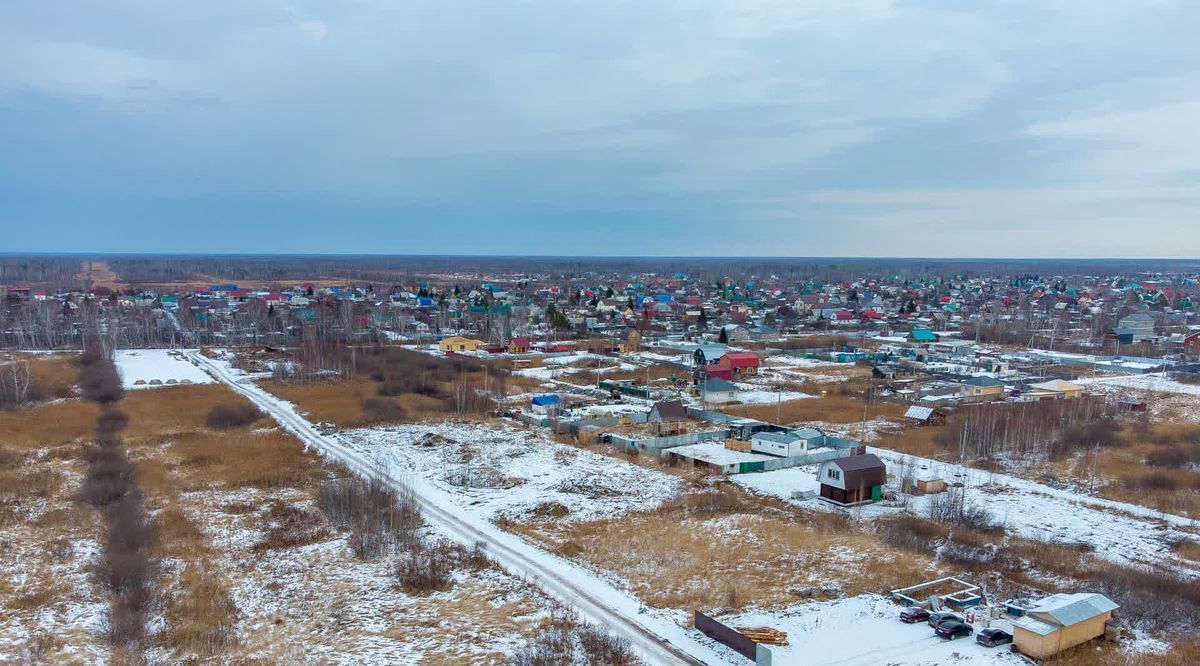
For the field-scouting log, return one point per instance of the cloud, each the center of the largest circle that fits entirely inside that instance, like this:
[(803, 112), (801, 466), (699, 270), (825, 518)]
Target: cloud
[(791, 121)]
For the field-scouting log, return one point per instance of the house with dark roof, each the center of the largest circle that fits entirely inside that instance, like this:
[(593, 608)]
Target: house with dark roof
[(668, 417), (982, 386), (852, 480)]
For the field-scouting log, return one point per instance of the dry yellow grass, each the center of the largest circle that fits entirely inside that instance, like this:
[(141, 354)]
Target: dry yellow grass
[(830, 409), (735, 556), (44, 426)]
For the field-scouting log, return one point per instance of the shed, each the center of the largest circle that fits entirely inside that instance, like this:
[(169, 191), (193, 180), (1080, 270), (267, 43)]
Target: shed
[(925, 415), (852, 480), (715, 389), (542, 403), (1061, 621)]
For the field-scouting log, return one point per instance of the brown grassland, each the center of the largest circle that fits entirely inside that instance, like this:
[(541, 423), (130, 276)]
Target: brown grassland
[(205, 486)]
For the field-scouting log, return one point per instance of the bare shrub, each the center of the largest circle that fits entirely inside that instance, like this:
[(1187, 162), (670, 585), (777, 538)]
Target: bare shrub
[(910, 532), (110, 422), (382, 410), (1174, 456), (565, 639), (99, 380), (1152, 481), (425, 568), (236, 415), (109, 476), (290, 527), (380, 519), (952, 507)]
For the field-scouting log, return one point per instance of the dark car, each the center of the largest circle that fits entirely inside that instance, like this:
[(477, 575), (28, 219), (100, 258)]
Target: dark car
[(993, 637), (913, 614), (951, 629), (937, 618)]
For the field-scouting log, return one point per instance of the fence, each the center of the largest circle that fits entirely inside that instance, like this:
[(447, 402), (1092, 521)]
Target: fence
[(656, 445), (731, 637)]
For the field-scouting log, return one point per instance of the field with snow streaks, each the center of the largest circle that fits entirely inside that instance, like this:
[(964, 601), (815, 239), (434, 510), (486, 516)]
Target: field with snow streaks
[(499, 469), (1121, 533)]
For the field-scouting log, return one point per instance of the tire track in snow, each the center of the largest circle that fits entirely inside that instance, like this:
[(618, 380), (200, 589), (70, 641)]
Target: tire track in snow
[(593, 598)]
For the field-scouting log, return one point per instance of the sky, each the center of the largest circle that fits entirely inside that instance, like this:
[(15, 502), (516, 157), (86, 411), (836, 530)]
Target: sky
[(795, 128)]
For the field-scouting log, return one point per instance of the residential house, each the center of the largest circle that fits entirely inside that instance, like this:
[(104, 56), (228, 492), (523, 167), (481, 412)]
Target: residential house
[(787, 444), (718, 391), (458, 343), (741, 362), (542, 404), (852, 480), (708, 354), (982, 387), (922, 335), (1059, 388), (630, 341), (518, 345), (1135, 328), (1061, 621), (668, 417)]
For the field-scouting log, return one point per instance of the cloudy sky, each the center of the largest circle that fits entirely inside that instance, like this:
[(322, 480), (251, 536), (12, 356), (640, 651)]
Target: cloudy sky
[(851, 127)]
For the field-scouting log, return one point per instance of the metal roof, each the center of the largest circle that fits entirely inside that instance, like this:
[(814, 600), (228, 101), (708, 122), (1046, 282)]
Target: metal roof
[(1069, 609), (918, 412)]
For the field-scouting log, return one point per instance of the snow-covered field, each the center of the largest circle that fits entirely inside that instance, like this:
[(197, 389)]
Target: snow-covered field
[(317, 603), (1119, 532), (499, 469), (1144, 383), (145, 368), (861, 631), (751, 394)]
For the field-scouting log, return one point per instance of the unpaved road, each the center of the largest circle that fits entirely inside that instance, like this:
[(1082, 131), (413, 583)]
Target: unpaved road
[(593, 598)]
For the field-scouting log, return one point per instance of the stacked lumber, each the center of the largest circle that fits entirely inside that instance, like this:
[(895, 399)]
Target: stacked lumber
[(738, 445), (765, 635)]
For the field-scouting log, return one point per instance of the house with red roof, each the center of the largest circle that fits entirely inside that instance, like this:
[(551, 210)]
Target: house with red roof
[(518, 345), (742, 363)]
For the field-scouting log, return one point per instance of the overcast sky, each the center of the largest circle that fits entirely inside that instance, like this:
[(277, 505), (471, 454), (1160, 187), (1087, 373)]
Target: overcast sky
[(864, 128)]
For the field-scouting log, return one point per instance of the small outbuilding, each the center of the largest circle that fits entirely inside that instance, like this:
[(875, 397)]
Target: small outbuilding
[(542, 404), (925, 415), (852, 480), (1061, 621)]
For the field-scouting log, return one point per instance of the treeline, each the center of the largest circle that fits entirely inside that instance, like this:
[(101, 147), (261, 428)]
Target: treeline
[(1041, 430), (54, 272)]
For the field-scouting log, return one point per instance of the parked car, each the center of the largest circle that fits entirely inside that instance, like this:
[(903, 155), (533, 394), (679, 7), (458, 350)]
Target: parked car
[(951, 629), (937, 618), (993, 637), (913, 614)]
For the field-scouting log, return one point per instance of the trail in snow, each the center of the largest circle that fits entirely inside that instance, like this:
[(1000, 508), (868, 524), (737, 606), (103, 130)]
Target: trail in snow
[(657, 640)]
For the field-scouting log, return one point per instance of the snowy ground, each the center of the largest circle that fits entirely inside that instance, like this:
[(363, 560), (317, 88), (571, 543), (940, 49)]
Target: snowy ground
[(140, 367), (1144, 383), (1119, 532), (316, 603), (555, 366), (498, 469), (861, 631), (751, 394)]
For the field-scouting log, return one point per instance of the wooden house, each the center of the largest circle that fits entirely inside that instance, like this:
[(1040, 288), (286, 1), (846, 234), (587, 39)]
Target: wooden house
[(518, 345), (458, 343), (741, 362), (852, 480), (1061, 621)]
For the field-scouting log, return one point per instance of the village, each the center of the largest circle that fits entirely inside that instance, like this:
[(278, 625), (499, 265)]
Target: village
[(962, 420)]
